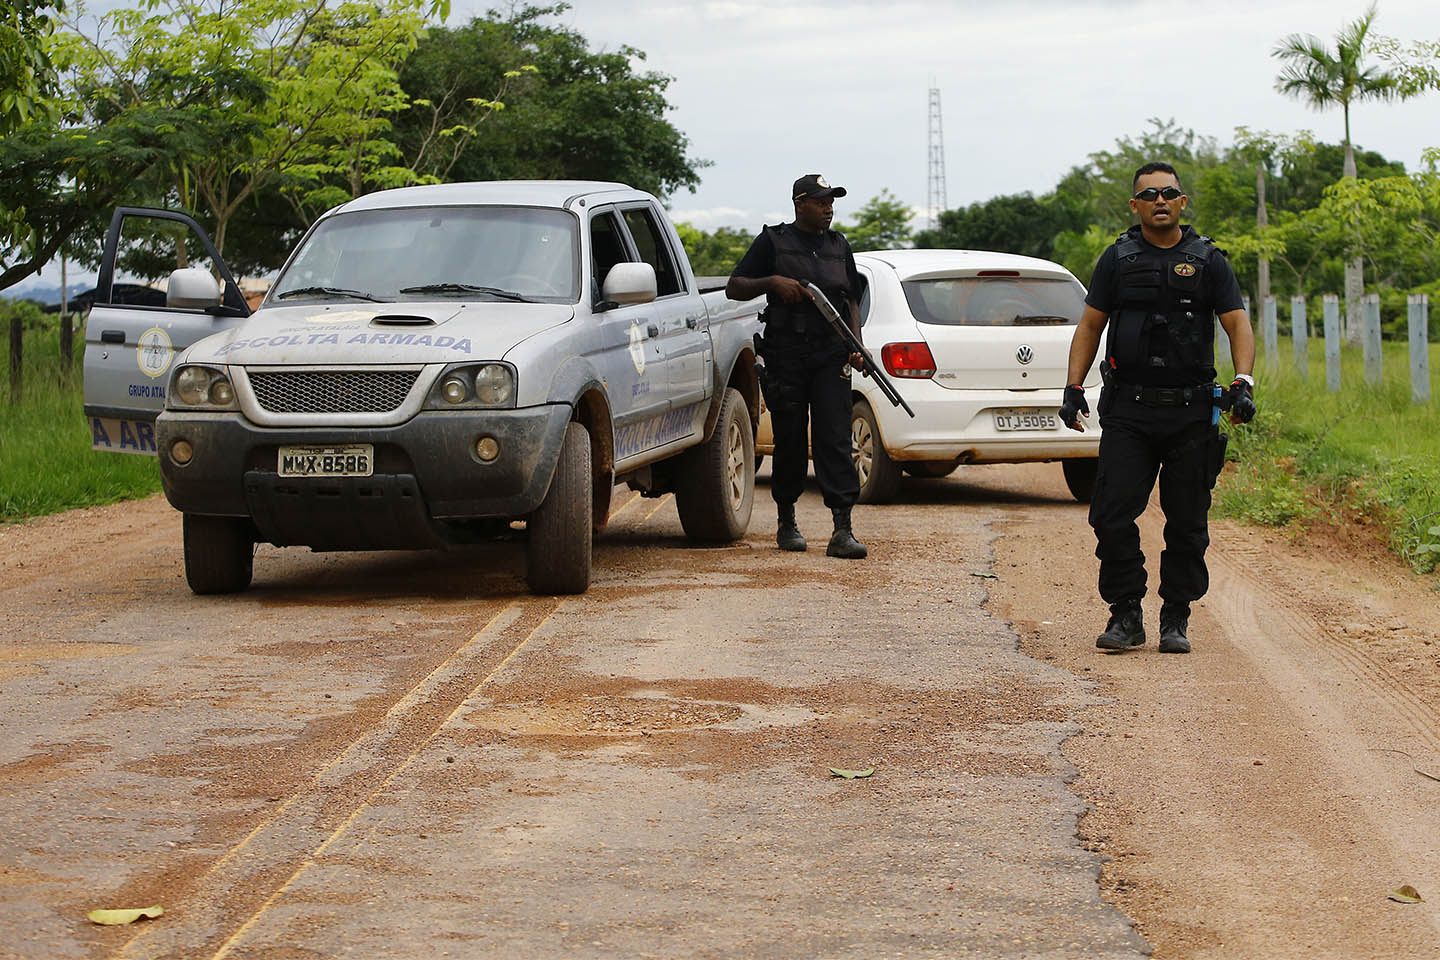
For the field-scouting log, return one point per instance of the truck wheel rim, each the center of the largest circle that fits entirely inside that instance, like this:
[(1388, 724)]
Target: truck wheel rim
[(735, 464), (862, 449)]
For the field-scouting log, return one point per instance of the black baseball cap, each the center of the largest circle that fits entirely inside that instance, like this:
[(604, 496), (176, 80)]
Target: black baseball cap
[(813, 186)]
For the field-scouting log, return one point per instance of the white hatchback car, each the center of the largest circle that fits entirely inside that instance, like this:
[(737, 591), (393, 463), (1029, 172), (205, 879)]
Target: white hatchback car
[(978, 344)]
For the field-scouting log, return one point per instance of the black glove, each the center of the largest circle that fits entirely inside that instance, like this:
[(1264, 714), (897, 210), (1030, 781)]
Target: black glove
[(1074, 405), (1242, 402)]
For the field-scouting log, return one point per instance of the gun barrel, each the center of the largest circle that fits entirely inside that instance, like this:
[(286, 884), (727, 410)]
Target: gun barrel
[(832, 316)]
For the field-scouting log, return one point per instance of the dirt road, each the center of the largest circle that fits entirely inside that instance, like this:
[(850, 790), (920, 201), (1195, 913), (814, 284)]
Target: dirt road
[(391, 755)]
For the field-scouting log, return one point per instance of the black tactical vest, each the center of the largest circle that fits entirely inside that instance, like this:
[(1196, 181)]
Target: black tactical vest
[(1162, 330), (797, 256)]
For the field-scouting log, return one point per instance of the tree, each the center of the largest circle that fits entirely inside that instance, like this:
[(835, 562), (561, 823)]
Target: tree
[(883, 223), (1265, 151), (1321, 79), (577, 114), (713, 254), (27, 77), (287, 94), (1015, 223)]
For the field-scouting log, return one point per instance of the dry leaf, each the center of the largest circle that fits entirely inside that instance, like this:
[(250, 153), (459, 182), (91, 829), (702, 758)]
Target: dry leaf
[(111, 918)]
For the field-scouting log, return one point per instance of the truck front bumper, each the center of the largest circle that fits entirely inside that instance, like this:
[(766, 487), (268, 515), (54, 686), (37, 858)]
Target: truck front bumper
[(424, 470)]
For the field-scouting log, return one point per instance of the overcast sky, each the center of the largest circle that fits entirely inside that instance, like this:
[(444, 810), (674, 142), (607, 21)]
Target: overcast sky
[(768, 91)]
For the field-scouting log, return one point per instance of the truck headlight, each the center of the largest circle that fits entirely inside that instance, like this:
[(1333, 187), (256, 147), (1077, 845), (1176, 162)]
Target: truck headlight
[(200, 386), (473, 386), (494, 385)]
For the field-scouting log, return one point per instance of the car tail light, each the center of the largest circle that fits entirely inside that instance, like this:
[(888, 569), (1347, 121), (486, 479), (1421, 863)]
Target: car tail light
[(908, 360)]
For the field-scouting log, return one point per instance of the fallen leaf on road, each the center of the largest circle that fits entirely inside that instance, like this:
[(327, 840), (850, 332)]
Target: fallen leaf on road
[(852, 774), (987, 576), (112, 918), (1406, 894)]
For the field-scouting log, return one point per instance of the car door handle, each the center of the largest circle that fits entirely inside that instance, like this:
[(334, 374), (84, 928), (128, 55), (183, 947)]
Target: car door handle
[(692, 322), (653, 330), (112, 336)]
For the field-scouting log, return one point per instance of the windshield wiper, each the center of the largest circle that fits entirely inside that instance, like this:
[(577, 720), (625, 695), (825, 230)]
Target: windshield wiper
[(1038, 318), (327, 292), (466, 288)]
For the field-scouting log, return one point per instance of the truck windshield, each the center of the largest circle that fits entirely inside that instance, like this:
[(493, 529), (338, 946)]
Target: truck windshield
[(425, 253), (995, 301)]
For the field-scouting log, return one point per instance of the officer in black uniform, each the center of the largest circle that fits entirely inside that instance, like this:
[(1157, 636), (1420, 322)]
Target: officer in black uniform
[(1159, 288), (805, 371)]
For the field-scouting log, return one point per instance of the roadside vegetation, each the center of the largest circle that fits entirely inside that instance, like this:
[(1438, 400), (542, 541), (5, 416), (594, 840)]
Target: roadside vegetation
[(46, 464), (1365, 455)]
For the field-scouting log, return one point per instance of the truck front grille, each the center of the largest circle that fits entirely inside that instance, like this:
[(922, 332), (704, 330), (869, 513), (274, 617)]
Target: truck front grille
[(342, 391)]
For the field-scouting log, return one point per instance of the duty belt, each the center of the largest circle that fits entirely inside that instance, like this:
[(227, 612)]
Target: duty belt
[(1167, 396)]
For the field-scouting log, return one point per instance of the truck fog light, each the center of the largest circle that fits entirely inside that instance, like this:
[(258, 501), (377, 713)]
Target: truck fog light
[(221, 393), (181, 452), (453, 390), (487, 448)]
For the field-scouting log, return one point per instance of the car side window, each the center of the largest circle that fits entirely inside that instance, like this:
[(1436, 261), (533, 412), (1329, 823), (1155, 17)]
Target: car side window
[(607, 248), (654, 250), (864, 299)]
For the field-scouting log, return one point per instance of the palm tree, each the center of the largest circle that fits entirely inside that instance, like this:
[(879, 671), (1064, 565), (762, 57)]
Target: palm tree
[(1320, 78)]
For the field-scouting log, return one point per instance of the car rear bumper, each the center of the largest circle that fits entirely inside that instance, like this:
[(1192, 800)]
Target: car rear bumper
[(960, 425), (425, 470)]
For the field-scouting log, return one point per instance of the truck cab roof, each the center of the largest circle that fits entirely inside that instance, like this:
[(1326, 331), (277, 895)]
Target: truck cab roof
[(528, 193)]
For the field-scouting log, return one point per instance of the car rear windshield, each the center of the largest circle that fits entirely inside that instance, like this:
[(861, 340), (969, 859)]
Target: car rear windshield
[(995, 301), (529, 251)]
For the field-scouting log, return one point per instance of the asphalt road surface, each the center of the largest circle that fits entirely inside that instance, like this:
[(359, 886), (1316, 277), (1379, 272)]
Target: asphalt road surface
[(406, 755)]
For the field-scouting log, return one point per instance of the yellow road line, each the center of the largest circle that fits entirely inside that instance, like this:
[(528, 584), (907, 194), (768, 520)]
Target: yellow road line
[(655, 509), (635, 497), (340, 830), (502, 619)]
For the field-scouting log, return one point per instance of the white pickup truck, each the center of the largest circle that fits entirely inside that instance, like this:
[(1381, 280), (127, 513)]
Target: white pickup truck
[(432, 364)]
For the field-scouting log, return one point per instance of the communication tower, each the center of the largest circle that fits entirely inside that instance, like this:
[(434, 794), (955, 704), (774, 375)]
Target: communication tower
[(935, 203)]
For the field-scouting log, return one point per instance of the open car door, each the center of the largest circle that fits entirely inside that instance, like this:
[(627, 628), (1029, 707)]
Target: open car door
[(134, 332)]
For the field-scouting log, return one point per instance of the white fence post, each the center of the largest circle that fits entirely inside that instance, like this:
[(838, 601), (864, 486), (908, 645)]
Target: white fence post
[(1300, 335), (1331, 308), (1418, 318), (1270, 327), (1370, 338)]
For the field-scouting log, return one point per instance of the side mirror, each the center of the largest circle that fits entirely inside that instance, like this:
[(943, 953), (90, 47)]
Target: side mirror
[(193, 289), (628, 283)]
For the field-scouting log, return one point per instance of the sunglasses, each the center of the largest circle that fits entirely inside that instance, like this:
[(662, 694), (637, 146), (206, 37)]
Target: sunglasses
[(1150, 194)]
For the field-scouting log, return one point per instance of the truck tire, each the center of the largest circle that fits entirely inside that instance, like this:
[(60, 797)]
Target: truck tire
[(715, 491), (1080, 477), (931, 469), (557, 554), (219, 553), (879, 476)]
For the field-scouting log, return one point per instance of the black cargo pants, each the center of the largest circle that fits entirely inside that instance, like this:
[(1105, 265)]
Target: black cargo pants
[(1182, 446), (807, 383)]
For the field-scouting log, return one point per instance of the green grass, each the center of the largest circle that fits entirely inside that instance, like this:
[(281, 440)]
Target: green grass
[(1365, 452), (46, 464)]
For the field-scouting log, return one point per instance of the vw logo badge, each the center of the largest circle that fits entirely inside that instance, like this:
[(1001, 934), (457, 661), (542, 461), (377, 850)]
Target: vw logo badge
[(1024, 354)]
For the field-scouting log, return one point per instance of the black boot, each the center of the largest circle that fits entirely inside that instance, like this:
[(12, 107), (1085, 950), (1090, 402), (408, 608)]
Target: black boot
[(1174, 621), (1125, 629), (787, 534), (842, 541)]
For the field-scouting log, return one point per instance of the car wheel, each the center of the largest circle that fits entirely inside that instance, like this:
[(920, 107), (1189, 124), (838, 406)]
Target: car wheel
[(219, 553), (560, 533), (931, 469), (878, 475), (1080, 477), (716, 491)]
